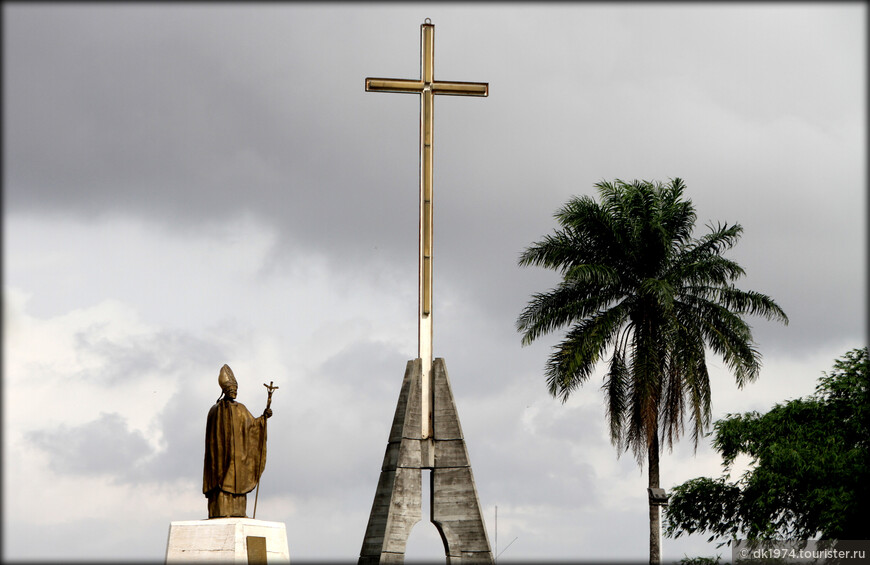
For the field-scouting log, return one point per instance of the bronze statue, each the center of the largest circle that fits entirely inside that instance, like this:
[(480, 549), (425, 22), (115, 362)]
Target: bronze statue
[(235, 451)]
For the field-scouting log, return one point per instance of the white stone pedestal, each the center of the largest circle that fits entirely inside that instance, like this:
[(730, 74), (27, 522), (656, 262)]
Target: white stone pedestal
[(229, 540)]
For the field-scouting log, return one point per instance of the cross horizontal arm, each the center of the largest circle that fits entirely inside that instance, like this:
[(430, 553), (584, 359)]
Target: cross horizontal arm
[(461, 88), (394, 85), (417, 86)]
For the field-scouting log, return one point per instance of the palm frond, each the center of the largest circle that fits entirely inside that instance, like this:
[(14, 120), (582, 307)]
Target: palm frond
[(616, 385), (569, 302), (750, 302), (705, 270), (555, 252), (729, 336), (573, 360)]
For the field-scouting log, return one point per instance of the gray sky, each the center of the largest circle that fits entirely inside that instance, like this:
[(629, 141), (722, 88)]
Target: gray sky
[(193, 185)]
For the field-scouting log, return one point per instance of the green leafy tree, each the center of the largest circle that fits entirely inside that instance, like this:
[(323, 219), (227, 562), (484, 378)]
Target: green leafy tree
[(809, 473), (638, 287)]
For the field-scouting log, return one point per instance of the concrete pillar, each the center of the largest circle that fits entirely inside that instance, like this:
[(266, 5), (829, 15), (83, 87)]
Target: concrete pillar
[(397, 504), (454, 506)]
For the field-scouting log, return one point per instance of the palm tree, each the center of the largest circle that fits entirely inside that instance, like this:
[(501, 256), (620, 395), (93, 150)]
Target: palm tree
[(637, 287)]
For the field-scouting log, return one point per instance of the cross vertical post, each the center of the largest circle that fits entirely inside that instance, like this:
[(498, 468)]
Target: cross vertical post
[(427, 87)]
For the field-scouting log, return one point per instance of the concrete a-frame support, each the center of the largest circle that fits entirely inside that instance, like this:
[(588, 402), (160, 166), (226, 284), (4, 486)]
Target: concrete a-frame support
[(455, 508)]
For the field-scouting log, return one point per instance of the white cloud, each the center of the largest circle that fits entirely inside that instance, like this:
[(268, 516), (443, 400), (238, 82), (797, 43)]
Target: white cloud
[(75, 376), (549, 467)]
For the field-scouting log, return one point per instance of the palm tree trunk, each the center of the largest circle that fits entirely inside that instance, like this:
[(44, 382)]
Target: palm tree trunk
[(655, 528)]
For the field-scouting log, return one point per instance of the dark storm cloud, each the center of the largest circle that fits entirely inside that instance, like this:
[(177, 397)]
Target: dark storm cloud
[(104, 446), (183, 114), (182, 426), (534, 478), (189, 114), (383, 364), (363, 380), (342, 423), (129, 359)]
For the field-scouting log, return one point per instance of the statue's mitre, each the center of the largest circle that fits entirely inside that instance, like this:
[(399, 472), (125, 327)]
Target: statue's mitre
[(226, 378)]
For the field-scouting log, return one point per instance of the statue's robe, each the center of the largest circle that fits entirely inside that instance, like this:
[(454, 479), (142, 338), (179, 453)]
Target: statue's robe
[(235, 455)]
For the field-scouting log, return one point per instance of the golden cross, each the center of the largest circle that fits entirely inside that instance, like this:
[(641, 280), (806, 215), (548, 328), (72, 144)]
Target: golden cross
[(427, 87)]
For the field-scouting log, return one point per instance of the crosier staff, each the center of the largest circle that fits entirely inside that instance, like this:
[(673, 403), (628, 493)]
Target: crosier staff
[(270, 388)]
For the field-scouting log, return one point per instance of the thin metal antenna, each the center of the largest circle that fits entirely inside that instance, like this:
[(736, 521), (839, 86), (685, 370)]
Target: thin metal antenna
[(497, 552), (506, 548)]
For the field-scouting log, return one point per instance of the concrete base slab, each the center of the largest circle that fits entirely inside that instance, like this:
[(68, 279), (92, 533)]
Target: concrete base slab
[(228, 540)]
